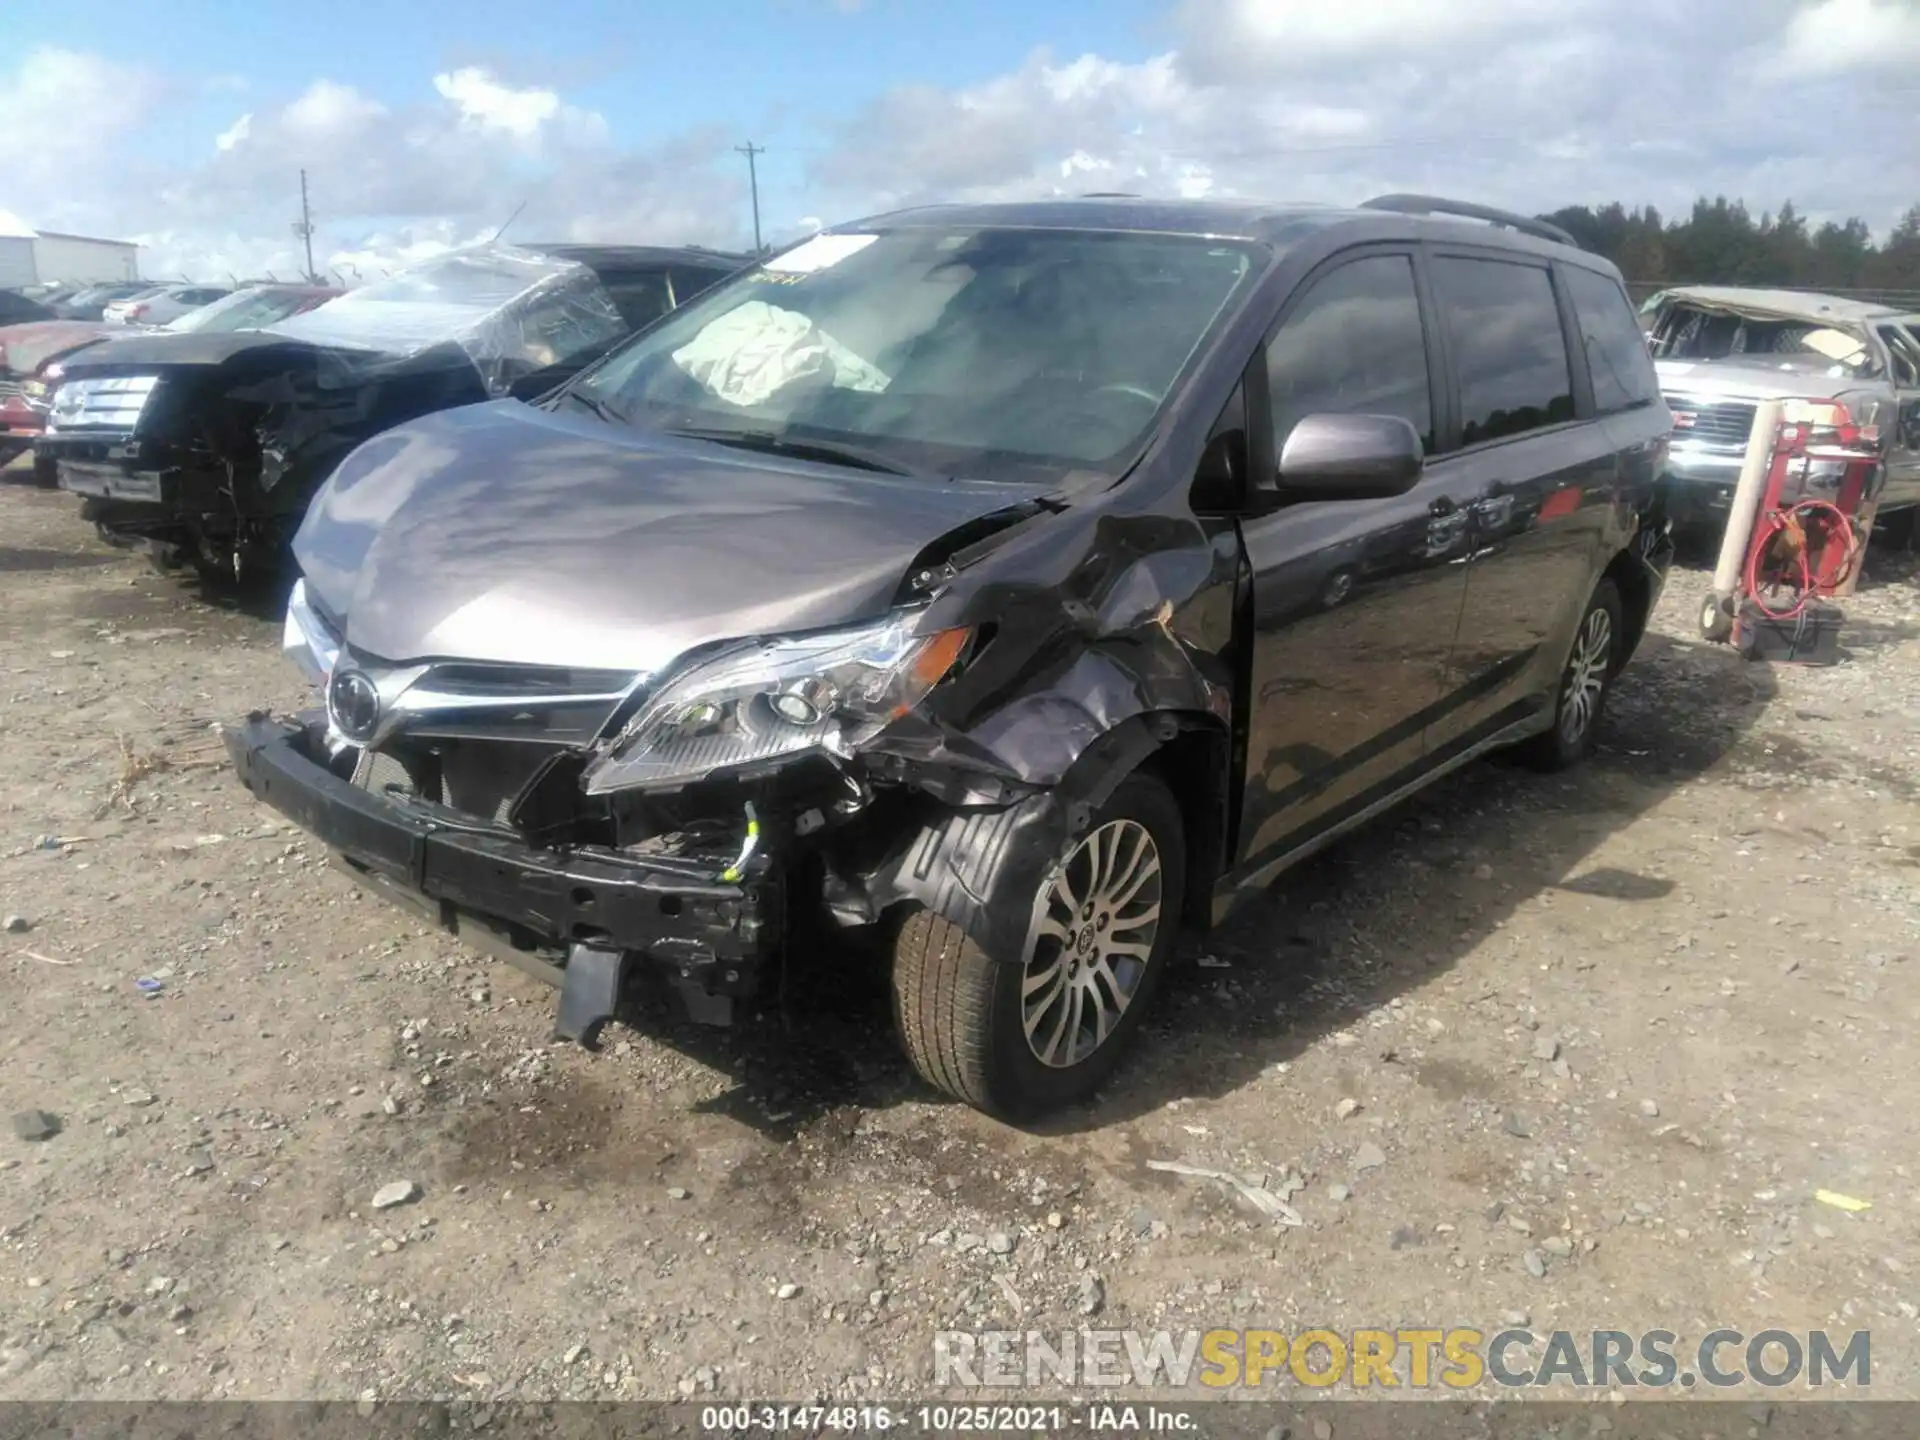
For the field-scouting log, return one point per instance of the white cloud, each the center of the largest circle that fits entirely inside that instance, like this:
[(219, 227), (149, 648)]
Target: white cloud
[(328, 108), (388, 180), (1851, 34), (62, 114), (1532, 104), (1244, 37), (234, 133), (484, 101), (1528, 103)]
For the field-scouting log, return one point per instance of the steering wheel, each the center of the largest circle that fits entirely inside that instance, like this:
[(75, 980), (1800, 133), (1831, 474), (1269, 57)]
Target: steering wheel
[(1121, 387)]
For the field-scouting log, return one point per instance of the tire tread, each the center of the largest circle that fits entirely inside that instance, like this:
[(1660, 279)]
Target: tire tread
[(942, 992)]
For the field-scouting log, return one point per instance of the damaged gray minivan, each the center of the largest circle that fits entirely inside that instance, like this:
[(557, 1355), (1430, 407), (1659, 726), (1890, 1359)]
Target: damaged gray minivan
[(1011, 584)]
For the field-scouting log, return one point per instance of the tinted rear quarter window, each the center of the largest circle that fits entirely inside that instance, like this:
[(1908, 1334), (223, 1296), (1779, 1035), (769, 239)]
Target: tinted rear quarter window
[(1353, 345), (1509, 353), (1617, 355)]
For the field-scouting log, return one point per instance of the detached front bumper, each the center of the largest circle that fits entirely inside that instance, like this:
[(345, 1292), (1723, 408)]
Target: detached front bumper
[(573, 917), (113, 468)]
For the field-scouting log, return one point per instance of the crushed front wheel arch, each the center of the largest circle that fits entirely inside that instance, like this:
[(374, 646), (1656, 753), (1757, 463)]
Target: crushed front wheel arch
[(961, 996)]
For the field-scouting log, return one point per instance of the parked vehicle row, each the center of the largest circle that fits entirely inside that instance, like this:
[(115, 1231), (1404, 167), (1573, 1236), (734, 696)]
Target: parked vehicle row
[(161, 303), (997, 589), (33, 356)]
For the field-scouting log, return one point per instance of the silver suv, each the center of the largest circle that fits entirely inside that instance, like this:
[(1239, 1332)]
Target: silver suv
[(1720, 350)]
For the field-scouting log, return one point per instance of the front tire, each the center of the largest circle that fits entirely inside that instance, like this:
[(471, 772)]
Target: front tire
[(1585, 683), (1023, 1034)]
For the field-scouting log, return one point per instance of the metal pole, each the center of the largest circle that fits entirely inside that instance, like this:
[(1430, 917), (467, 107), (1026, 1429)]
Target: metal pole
[(1761, 439), (750, 150), (306, 226)]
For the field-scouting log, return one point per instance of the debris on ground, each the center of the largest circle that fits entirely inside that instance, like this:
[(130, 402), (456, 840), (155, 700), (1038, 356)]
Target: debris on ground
[(1255, 1194), (36, 1125)]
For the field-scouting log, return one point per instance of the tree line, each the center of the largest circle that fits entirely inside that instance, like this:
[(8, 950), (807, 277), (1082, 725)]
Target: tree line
[(1721, 243)]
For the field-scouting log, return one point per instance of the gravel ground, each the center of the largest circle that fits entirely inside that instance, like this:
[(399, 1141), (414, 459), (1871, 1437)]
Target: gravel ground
[(1578, 1049)]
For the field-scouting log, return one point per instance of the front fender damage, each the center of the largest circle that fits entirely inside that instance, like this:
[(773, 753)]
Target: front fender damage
[(1074, 686)]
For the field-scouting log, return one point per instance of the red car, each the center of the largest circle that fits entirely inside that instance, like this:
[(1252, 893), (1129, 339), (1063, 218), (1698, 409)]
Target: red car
[(31, 354)]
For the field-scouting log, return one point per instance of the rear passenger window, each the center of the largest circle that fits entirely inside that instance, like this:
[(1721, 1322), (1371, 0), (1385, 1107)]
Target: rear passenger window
[(689, 282), (1354, 345), (1503, 329), (640, 299), (1617, 355)]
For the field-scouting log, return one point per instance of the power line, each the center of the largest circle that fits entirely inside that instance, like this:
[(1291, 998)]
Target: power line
[(751, 150)]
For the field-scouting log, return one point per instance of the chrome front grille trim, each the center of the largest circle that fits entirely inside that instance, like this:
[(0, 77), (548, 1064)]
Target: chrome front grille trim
[(110, 404), (1715, 422), (460, 700)]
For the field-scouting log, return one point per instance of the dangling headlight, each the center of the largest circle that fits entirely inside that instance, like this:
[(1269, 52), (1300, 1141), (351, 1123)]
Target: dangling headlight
[(773, 698)]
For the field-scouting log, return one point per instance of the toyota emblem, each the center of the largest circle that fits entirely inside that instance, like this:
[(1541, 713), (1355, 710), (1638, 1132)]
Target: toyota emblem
[(353, 704)]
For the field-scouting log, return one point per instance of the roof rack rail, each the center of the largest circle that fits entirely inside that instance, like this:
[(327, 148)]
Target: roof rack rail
[(1508, 219), (1111, 195)]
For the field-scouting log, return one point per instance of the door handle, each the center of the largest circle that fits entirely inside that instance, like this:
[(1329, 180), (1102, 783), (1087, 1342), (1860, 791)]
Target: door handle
[(1495, 507)]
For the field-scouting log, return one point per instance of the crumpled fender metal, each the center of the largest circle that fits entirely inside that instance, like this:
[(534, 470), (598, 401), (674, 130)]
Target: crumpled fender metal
[(1140, 627), (976, 867), (1081, 680)]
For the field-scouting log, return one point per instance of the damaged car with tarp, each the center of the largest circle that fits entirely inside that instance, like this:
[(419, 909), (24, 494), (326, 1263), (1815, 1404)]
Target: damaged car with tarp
[(205, 448), (982, 591)]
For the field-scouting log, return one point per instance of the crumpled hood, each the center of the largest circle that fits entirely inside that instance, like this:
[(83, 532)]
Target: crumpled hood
[(26, 347), (500, 532), (159, 349)]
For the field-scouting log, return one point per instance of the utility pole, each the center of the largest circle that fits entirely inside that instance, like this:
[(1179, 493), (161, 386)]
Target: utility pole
[(750, 150), (304, 229)]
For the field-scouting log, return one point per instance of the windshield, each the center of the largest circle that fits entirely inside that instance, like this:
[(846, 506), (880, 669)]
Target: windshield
[(954, 350), (512, 311), (242, 310), (1705, 335)]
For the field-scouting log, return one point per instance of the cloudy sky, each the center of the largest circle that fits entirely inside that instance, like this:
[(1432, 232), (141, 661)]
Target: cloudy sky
[(421, 122)]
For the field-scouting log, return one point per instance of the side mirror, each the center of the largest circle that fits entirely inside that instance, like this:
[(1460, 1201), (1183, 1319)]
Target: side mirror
[(1350, 457)]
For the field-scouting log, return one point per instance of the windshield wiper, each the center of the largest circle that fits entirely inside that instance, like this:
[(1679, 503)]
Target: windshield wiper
[(768, 442), (600, 408)]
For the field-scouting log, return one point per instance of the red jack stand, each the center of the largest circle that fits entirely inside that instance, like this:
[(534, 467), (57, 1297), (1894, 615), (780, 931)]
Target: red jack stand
[(1794, 538)]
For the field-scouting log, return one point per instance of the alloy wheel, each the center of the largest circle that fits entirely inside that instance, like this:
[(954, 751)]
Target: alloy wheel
[(1586, 675), (1099, 918)]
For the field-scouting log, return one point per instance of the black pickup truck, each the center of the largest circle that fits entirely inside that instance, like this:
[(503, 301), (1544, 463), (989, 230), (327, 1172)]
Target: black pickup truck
[(206, 448)]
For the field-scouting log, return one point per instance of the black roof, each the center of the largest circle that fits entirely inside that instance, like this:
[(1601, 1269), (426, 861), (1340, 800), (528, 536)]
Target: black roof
[(637, 257), (1280, 225), (1228, 219)]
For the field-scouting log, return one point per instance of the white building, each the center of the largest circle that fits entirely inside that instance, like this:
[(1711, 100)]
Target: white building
[(28, 255)]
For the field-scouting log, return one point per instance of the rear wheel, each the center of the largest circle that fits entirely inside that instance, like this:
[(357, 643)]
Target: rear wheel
[(1021, 1034), (1585, 683)]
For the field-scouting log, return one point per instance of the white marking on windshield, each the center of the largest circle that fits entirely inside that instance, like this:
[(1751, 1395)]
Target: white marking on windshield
[(818, 253)]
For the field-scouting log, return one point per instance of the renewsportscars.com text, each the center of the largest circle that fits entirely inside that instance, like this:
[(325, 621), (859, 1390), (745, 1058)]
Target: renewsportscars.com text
[(1455, 1359)]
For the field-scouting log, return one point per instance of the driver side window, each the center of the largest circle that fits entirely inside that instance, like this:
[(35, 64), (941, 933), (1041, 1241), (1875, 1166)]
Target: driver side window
[(1354, 345)]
